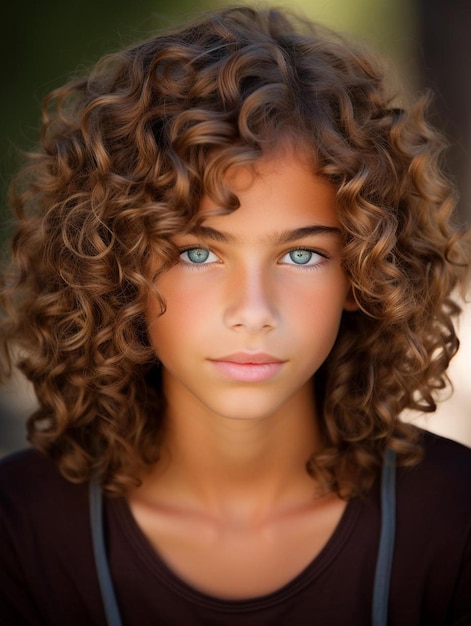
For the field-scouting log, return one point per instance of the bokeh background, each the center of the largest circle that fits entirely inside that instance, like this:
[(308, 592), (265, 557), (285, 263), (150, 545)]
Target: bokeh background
[(427, 42)]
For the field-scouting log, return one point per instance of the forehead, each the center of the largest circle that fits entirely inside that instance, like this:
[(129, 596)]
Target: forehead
[(276, 190)]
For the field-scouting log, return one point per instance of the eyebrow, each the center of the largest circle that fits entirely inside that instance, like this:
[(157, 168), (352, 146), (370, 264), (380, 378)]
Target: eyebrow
[(286, 236)]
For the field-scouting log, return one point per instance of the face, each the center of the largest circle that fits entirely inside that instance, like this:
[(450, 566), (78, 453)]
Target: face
[(254, 304)]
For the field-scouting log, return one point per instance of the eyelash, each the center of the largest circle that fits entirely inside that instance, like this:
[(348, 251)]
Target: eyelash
[(306, 266)]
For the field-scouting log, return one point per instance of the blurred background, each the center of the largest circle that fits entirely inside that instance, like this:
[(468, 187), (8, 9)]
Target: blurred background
[(427, 42)]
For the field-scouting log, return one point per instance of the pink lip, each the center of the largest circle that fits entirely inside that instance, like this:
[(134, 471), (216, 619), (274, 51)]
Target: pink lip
[(245, 367), (249, 359)]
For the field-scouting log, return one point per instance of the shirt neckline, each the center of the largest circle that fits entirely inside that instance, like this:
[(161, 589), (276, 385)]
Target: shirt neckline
[(149, 558)]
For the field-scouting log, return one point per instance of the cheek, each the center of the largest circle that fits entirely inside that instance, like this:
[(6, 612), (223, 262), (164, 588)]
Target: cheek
[(180, 326), (324, 298), (185, 292), (316, 314)]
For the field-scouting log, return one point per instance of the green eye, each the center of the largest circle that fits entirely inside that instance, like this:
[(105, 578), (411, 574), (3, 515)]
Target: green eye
[(197, 256), (301, 257)]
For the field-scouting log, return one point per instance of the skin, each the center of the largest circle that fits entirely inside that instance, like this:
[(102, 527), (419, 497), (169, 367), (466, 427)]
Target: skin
[(230, 494)]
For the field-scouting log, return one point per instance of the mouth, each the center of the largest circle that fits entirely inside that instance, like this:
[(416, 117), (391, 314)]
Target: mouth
[(248, 368), (245, 358)]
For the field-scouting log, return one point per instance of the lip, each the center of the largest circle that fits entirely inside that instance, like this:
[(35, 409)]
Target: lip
[(249, 368), (246, 358)]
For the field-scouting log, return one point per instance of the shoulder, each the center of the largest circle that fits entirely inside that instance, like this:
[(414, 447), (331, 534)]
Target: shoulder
[(32, 490), (28, 470), (432, 557), (446, 464), (46, 544), (438, 446), (22, 464), (437, 491)]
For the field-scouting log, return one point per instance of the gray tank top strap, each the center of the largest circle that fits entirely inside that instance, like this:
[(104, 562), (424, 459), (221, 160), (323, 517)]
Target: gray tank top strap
[(386, 541), (383, 563), (110, 603)]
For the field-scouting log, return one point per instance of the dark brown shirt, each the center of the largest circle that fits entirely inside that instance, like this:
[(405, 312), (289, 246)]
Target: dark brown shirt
[(47, 572)]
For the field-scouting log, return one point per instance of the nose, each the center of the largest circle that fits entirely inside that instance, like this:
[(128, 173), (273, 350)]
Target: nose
[(250, 301)]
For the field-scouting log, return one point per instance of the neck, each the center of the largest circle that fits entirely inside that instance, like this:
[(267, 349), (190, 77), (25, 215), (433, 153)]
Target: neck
[(229, 466)]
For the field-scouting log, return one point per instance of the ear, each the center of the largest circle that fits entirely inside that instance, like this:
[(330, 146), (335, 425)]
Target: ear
[(350, 303)]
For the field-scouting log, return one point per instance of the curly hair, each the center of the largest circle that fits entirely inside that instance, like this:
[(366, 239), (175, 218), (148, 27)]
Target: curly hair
[(126, 154)]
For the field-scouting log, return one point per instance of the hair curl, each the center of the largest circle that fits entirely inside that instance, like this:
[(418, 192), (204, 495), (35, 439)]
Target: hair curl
[(126, 154)]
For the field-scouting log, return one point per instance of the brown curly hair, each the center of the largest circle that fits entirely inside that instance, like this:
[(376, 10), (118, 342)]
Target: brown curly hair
[(126, 154)]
